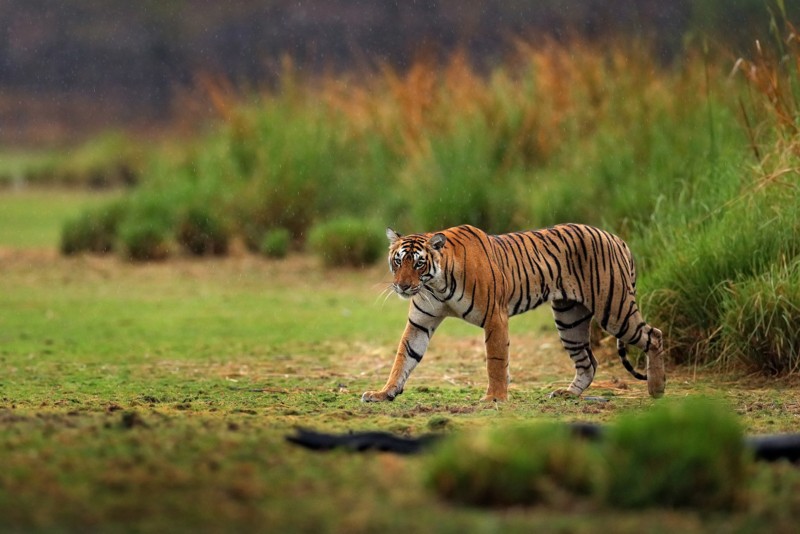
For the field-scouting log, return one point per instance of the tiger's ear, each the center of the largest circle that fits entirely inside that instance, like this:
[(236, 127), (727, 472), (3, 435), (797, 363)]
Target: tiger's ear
[(392, 235), (437, 241)]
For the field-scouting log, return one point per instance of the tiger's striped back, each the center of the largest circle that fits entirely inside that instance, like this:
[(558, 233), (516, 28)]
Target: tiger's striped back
[(568, 262)]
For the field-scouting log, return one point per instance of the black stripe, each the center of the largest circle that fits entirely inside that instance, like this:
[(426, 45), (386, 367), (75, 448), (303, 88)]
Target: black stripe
[(570, 304), (471, 302), (486, 315), (609, 295), (420, 327), (414, 303), (412, 353), (569, 326), (463, 275), (566, 341)]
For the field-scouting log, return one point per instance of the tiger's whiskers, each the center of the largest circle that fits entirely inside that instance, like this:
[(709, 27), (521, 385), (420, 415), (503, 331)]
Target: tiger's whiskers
[(386, 292)]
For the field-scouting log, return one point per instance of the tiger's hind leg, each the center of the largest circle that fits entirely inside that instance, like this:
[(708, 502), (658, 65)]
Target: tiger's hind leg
[(573, 320), (650, 340), (656, 375)]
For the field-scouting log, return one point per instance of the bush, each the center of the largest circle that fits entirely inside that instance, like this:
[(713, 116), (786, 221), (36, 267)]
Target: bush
[(276, 243), (760, 318), (93, 231), (688, 453), (146, 232), (514, 465), (202, 232), (348, 241)]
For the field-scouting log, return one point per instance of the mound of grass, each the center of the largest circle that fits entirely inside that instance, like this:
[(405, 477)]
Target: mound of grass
[(686, 454), (202, 232), (513, 464), (93, 231), (145, 234), (680, 454)]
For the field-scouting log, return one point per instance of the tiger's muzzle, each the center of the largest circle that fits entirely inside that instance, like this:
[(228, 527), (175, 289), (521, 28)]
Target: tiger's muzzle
[(406, 290)]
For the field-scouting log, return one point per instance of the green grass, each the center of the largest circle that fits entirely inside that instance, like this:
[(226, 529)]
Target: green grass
[(32, 218), (156, 397)]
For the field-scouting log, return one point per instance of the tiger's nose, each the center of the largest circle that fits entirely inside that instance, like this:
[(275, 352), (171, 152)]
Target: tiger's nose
[(404, 287)]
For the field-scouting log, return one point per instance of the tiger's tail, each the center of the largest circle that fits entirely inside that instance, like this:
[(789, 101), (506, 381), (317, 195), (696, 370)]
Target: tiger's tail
[(623, 355)]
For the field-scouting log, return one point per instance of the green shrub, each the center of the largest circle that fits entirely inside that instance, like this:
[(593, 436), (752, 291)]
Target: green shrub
[(263, 205), (276, 243), (348, 241), (145, 234), (514, 465), (760, 318), (202, 232), (92, 231), (688, 453)]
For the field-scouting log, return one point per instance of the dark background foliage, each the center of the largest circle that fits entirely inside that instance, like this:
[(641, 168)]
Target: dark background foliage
[(76, 66)]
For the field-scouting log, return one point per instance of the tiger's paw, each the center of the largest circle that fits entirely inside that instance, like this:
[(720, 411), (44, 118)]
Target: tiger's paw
[(494, 397), (656, 384), (377, 396), (656, 376)]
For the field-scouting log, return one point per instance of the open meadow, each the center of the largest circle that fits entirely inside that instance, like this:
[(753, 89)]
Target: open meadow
[(155, 397), (176, 301)]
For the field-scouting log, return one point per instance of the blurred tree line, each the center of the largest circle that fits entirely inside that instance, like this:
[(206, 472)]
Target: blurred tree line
[(129, 57)]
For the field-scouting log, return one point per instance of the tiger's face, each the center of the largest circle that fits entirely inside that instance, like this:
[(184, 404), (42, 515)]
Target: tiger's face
[(414, 261)]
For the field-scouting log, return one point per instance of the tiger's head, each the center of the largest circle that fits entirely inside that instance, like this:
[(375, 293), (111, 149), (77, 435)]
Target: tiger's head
[(415, 261)]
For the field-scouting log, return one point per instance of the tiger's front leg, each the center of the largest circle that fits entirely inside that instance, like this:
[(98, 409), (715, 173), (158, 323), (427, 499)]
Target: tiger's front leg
[(496, 332), (414, 343)]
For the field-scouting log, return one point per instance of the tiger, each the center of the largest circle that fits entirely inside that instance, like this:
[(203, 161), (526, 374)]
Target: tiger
[(484, 279)]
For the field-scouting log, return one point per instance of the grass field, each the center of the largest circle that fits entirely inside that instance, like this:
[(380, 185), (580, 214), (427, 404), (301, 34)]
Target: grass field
[(157, 397), (31, 218)]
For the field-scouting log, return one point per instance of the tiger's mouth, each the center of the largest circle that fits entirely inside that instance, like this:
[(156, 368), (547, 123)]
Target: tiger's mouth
[(406, 292)]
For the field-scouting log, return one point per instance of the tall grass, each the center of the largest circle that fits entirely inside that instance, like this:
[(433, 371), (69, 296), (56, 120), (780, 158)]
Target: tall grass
[(717, 279), (558, 132)]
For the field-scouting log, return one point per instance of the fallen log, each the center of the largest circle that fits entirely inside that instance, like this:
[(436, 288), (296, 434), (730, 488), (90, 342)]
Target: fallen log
[(767, 448)]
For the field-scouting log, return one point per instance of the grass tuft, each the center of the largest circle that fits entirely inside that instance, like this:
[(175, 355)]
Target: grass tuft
[(688, 453), (760, 318), (92, 231), (513, 464)]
